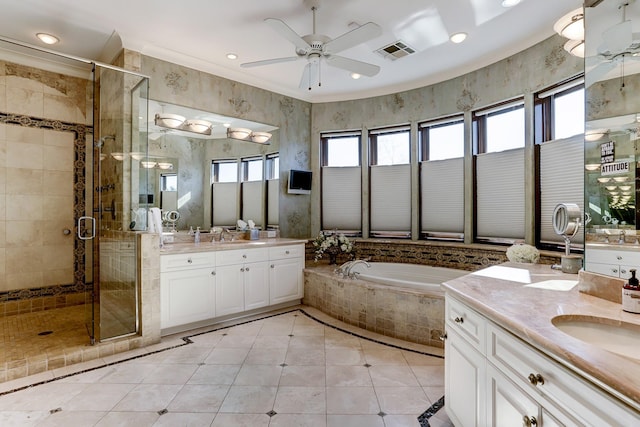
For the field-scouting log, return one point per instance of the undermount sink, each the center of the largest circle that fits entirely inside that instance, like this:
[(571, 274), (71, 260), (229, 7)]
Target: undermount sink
[(608, 334)]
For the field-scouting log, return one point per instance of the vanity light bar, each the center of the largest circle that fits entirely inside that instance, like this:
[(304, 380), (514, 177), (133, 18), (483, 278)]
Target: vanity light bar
[(177, 122), (244, 134)]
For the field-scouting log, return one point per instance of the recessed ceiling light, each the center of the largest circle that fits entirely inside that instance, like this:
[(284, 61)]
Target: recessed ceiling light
[(355, 76), (458, 37), (47, 38), (510, 3), (232, 56)]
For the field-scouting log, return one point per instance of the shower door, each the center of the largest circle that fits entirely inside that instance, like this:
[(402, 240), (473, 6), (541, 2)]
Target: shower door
[(120, 102)]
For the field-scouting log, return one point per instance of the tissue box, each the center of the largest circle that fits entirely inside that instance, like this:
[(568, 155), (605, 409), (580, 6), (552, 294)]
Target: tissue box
[(253, 234)]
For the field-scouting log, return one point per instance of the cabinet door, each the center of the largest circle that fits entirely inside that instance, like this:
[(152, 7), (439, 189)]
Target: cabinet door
[(608, 269), (511, 406), (187, 296), (285, 280), (256, 285), (464, 386), (229, 289)]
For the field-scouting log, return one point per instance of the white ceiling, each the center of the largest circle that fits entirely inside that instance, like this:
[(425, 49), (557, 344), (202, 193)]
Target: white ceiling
[(199, 34)]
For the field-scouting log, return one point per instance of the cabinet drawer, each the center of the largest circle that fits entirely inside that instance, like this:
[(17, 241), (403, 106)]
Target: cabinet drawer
[(582, 400), (613, 256), (284, 252), (467, 323), (241, 256), (187, 261)]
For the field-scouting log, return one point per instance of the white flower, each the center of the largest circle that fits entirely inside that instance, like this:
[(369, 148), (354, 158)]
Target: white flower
[(521, 252), (325, 241)]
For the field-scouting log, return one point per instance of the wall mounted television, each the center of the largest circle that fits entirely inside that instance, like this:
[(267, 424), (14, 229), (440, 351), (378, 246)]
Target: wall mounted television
[(299, 182)]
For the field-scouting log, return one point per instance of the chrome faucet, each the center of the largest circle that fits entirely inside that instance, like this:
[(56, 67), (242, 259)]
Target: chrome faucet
[(224, 230), (621, 240), (352, 275), (342, 270)]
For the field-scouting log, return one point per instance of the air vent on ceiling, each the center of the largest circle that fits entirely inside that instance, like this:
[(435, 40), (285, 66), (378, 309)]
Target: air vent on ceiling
[(395, 50)]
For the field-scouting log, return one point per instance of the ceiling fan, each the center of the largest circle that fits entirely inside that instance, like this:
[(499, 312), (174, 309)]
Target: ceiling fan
[(620, 43), (314, 47)]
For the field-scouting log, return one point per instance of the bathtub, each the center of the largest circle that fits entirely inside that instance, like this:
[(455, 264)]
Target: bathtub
[(420, 277), (402, 301)]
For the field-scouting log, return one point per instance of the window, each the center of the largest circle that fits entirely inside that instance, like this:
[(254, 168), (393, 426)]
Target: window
[(169, 182), (252, 169), (442, 139), (341, 182), (273, 189), (559, 128), (341, 149), (390, 146), (499, 173), (442, 179), (273, 166), (390, 180), (499, 128), (559, 111), (224, 171)]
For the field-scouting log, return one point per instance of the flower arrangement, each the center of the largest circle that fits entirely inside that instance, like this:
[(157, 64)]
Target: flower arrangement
[(332, 244), (521, 252)]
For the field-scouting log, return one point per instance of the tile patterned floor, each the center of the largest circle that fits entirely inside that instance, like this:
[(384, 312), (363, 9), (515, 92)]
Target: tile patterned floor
[(297, 368)]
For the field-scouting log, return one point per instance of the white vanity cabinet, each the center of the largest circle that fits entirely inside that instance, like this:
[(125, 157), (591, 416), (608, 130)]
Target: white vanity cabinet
[(242, 280), (187, 288), (612, 261), (285, 273), (506, 381)]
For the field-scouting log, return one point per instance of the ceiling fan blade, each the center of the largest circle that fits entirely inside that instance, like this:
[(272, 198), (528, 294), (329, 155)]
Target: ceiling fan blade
[(309, 76), (270, 61), (352, 65), (285, 31), (597, 73), (619, 37), (353, 38)]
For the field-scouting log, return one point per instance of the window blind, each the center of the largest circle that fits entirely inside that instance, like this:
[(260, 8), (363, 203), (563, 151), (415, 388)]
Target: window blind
[(224, 202), (391, 198), (561, 181), (341, 198), (500, 194), (252, 201), (442, 195), (273, 203)]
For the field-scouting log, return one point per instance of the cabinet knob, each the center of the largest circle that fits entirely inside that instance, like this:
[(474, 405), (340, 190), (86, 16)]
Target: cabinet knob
[(244, 255), (623, 271), (458, 320), (614, 270), (286, 252), (529, 421), (246, 269), (242, 269), (536, 379), (619, 257), (443, 336), (273, 266), (189, 260), (213, 273)]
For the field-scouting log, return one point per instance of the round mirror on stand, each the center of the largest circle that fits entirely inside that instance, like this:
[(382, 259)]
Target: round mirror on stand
[(566, 219)]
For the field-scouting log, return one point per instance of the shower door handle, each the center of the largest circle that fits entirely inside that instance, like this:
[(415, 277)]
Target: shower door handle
[(93, 227)]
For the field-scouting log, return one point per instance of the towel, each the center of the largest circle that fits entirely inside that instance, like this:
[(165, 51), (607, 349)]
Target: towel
[(155, 222)]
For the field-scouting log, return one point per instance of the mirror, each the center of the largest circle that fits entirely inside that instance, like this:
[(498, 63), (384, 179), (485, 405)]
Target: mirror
[(180, 156)]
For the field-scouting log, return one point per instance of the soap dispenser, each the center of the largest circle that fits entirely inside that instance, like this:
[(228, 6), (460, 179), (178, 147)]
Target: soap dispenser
[(631, 294)]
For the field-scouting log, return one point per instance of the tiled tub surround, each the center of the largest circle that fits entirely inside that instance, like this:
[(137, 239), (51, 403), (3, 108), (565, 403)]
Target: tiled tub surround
[(403, 313), (526, 311), (438, 254)]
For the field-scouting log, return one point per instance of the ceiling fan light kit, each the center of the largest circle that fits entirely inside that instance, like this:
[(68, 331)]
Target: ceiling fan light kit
[(316, 47)]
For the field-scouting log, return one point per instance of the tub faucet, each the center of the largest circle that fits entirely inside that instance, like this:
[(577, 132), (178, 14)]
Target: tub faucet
[(342, 270), (352, 275)]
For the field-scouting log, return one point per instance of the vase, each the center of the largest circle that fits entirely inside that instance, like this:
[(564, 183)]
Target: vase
[(333, 256)]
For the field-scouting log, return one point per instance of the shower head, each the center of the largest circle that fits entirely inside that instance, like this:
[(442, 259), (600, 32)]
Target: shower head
[(101, 141)]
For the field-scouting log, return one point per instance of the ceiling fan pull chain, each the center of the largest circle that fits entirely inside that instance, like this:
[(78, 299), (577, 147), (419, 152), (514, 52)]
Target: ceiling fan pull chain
[(319, 74)]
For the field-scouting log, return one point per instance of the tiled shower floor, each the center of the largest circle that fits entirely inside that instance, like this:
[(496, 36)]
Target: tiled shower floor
[(33, 342), (296, 368)]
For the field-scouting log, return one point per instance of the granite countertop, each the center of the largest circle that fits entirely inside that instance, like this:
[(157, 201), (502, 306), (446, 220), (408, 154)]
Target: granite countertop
[(522, 299), (207, 246)]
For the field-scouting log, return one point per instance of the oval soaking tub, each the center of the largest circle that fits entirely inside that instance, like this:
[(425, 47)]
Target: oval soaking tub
[(420, 277)]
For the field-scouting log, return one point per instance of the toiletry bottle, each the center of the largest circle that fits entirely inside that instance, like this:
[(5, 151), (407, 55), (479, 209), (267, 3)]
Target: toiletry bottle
[(631, 294), (196, 239), (191, 230)]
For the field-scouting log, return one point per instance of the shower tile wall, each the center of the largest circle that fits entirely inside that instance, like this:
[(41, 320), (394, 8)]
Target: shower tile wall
[(41, 115)]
